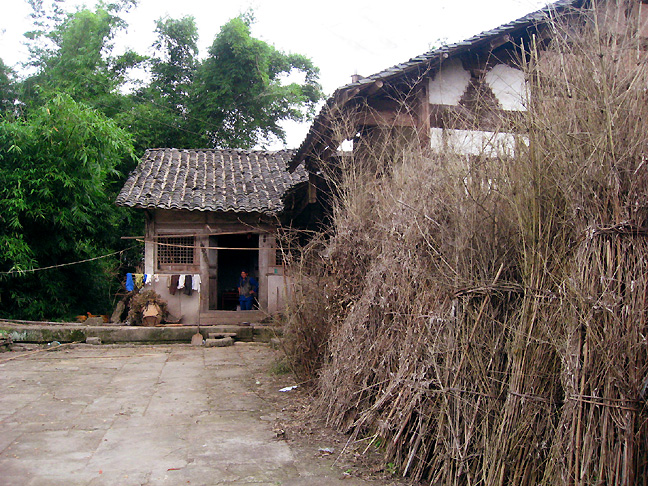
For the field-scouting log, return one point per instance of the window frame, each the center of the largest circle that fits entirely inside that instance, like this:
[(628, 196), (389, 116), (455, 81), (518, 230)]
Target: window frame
[(187, 257)]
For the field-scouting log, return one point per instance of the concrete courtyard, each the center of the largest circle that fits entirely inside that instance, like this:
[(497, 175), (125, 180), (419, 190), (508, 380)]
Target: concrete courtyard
[(149, 415)]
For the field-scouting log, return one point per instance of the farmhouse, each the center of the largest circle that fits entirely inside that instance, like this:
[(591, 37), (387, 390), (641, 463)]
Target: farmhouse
[(458, 94), (464, 96), (209, 215)]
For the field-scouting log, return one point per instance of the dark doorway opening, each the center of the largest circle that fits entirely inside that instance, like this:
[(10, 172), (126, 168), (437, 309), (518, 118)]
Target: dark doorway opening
[(230, 264)]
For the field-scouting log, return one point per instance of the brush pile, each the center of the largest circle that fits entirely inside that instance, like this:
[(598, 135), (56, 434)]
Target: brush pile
[(485, 317)]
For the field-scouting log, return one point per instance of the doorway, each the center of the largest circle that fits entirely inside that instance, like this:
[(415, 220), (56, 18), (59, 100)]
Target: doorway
[(230, 264)]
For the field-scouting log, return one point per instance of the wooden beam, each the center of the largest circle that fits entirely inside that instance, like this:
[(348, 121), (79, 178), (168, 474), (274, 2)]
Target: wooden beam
[(385, 118), (385, 104), (460, 117), (312, 189), (499, 41), (344, 98), (375, 87)]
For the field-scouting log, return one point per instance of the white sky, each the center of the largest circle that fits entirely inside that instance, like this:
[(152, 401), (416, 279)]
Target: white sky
[(342, 37)]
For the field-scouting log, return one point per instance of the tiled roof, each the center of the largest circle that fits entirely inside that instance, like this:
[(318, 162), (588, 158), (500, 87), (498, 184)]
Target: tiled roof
[(317, 133), (472, 42), (211, 180)]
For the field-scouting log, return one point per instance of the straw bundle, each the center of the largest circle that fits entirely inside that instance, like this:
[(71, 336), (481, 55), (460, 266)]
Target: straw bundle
[(484, 318)]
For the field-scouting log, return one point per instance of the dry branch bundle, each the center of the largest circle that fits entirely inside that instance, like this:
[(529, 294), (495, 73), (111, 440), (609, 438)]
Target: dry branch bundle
[(485, 316)]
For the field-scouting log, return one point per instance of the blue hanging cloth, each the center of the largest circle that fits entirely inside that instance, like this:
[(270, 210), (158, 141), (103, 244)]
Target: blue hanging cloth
[(130, 285)]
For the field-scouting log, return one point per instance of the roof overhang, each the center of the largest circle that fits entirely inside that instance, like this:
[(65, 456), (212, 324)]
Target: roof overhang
[(321, 141)]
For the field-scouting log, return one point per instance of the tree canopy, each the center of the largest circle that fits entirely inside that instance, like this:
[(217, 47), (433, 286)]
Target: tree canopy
[(7, 90), (75, 56), (240, 88), (236, 97), (56, 207), (71, 131)]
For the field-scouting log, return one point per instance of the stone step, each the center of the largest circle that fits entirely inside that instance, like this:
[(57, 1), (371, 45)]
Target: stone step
[(219, 343), (240, 333), (218, 335), (214, 318)]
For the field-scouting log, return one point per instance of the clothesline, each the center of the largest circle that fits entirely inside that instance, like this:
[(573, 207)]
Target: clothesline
[(174, 282), (32, 270)]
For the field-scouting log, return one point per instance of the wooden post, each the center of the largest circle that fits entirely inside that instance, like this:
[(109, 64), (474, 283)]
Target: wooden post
[(202, 243), (150, 249), (423, 111)]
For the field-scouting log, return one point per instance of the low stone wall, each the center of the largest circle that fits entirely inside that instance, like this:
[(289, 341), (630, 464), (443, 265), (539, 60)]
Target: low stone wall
[(20, 333)]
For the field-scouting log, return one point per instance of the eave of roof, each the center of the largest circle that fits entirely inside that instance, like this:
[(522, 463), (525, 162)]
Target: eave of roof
[(237, 181), (344, 94)]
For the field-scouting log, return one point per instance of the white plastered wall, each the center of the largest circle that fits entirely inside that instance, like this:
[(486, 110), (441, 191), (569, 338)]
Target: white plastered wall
[(509, 87), (448, 87), (449, 84), (474, 142), (279, 287), (180, 304)]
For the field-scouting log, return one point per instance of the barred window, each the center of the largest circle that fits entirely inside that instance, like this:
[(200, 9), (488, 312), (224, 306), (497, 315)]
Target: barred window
[(176, 250)]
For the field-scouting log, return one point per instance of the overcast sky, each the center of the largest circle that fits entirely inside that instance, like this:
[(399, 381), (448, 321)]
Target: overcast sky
[(342, 37)]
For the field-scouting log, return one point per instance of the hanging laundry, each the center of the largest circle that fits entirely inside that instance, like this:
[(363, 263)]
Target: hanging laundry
[(181, 282), (130, 285), (196, 283), (173, 284), (139, 280), (188, 286), (148, 279)]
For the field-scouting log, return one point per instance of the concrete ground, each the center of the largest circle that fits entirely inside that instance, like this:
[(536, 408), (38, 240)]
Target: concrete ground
[(151, 415)]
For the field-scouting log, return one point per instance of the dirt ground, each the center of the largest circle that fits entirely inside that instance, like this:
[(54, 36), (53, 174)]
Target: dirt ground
[(299, 425), (175, 414)]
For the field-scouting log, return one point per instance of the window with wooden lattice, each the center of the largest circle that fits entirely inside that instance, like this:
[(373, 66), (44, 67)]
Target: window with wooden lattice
[(176, 250)]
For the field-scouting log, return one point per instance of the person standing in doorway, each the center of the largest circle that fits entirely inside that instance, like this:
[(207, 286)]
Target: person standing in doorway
[(247, 289)]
